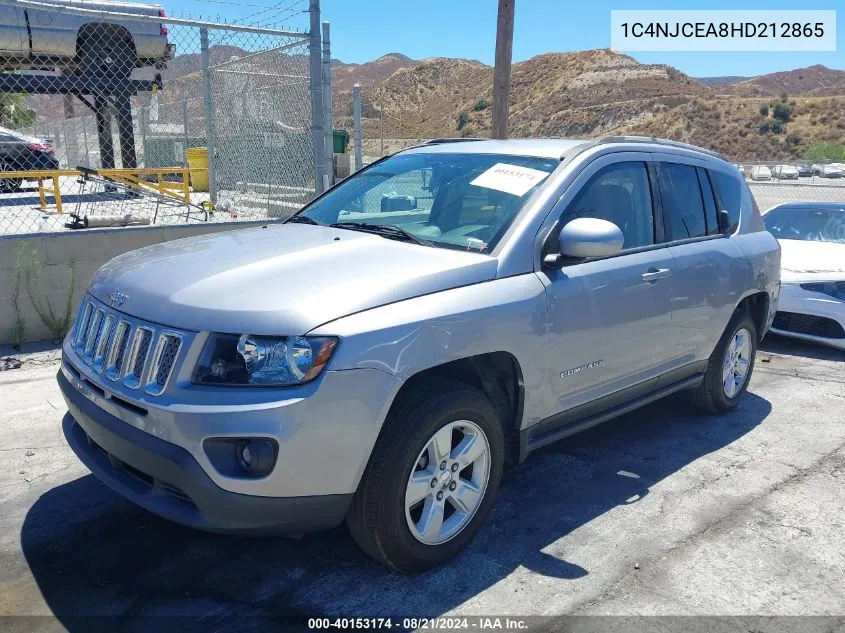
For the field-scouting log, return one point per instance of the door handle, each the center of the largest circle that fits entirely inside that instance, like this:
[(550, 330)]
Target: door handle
[(653, 274)]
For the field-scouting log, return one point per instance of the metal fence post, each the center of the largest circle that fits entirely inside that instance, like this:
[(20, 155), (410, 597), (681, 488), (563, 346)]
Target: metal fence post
[(210, 140), (316, 97), (356, 125), (328, 133), (142, 124), (184, 129)]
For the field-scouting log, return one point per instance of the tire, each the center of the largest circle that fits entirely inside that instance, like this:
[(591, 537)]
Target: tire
[(8, 185), (379, 518), (106, 56), (714, 394)]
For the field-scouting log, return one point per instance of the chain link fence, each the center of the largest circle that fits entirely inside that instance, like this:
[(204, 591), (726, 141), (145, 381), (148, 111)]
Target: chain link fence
[(115, 119), (774, 183)]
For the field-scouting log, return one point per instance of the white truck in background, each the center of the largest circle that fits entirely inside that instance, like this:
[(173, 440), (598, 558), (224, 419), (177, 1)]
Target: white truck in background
[(51, 35)]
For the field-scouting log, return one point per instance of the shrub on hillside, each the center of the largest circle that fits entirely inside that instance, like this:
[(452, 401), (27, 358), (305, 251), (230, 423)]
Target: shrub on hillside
[(782, 112), (480, 105)]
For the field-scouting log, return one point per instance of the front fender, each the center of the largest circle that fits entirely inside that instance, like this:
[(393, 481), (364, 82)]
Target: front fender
[(407, 337)]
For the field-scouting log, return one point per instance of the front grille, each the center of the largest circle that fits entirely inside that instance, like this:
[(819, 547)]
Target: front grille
[(808, 324), (123, 348)]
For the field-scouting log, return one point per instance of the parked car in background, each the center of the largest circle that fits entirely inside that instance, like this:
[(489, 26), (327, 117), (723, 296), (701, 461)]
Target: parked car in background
[(19, 152), (812, 297), (740, 168), (760, 172), (785, 172), (53, 37), (804, 170), (831, 171), (519, 292)]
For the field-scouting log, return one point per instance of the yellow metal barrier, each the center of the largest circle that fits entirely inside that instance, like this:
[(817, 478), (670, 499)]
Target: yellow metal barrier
[(41, 175), (136, 178)]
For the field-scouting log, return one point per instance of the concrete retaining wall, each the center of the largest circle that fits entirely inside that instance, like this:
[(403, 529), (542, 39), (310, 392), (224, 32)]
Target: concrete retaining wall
[(85, 251)]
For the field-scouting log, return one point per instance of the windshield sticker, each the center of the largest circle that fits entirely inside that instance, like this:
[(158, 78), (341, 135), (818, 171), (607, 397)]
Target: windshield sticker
[(511, 179)]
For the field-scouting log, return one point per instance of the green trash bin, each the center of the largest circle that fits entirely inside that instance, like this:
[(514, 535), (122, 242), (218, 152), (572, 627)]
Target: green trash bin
[(341, 141)]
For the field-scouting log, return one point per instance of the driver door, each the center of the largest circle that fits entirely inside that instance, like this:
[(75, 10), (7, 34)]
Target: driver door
[(610, 317)]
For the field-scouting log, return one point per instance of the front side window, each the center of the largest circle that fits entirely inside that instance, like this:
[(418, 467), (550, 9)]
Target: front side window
[(813, 225), (682, 200), (619, 193), (460, 201)]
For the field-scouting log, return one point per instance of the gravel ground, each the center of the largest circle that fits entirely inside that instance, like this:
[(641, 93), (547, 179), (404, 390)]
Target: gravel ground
[(663, 511)]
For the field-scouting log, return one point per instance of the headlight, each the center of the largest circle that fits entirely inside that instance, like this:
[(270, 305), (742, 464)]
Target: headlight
[(251, 359), (835, 289)]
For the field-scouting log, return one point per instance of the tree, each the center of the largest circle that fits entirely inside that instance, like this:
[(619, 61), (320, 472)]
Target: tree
[(764, 110), (13, 111), (463, 119), (793, 138)]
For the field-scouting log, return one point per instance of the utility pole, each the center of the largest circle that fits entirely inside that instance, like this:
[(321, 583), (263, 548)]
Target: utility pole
[(502, 69)]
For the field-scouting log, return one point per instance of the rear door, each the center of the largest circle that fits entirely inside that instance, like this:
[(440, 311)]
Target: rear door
[(610, 318), (708, 262)]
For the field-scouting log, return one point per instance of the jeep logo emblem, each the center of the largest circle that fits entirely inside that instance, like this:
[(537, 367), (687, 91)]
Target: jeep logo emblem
[(117, 298)]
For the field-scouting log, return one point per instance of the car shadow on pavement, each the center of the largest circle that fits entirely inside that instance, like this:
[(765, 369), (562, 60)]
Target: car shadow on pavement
[(92, 553), (795, 347)]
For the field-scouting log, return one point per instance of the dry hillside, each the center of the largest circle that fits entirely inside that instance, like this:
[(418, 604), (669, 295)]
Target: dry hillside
[(599, 92)]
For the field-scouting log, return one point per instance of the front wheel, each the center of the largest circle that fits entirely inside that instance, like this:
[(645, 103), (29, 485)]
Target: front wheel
[(730, 366), (432, 479)]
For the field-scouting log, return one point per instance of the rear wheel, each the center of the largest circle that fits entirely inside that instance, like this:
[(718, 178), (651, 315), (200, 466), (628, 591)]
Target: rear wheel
[(106, 56), (432, 479), (730, 366)]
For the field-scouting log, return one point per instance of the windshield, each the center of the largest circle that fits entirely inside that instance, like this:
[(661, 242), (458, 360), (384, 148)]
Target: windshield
[(461, 201), (814, 225)]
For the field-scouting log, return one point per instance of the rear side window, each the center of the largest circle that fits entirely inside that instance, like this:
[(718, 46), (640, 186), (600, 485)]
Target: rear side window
[(728, 195), (618, 193), (682, 200)]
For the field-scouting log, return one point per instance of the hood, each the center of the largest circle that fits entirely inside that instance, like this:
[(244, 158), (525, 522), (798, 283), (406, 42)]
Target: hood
[(281, 279), (803, 260)]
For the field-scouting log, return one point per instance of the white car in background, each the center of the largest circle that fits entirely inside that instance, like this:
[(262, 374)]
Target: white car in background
[(834, 170), (812, 295), (760, 172), (785, 172)]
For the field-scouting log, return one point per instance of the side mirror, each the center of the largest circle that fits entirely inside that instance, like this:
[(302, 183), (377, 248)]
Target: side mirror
[(587, 237)]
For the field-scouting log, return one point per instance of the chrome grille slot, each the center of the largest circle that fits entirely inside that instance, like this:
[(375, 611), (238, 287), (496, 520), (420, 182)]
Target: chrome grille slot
[(127, 350), (137, 357), (102, 343), (81, 329), (162, 362), (117, 351), (93, 334)]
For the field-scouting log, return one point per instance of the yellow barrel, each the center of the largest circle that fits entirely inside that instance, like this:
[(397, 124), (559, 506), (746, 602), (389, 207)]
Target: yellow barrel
[(197, 158)]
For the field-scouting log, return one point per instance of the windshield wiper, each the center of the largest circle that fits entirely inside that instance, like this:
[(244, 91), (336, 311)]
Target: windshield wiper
[(390, 231), (301, 219)]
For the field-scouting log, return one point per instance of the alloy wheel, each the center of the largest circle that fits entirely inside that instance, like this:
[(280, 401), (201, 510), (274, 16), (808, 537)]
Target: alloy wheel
[(448, 482)]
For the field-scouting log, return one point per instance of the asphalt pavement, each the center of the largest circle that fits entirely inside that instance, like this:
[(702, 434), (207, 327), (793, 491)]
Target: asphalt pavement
[(663, 511)]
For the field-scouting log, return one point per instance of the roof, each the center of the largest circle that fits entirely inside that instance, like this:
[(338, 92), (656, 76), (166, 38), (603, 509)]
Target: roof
[(540, 147)]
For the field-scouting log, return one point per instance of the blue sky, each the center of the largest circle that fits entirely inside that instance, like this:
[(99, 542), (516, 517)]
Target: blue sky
[(363, 30)]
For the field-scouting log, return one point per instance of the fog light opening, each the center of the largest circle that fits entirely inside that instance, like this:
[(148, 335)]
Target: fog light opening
[(255, 457)]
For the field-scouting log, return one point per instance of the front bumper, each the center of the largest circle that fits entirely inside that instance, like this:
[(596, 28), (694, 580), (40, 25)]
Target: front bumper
[(814, 309), (167, 480)]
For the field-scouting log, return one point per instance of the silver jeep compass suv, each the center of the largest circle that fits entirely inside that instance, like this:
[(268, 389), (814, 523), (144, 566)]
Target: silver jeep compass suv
[(380, 355)]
